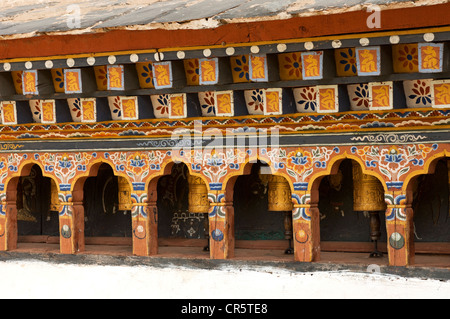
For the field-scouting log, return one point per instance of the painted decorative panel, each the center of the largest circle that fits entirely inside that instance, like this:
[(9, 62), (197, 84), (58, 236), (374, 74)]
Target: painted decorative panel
[(240, 68), (75, 109), (382, 96), (178, 106), (72, 81), (145, 75), (264, 101), (224, 103), (258, 68), (30, 82), (359, 95), (115, 107), (306, 99), (327, 99), (115, 74), (290, 66), (274, 103), (88, 110), (431, 57), (312, 65), (169, 105), (441, 94), (368, 61), (418, 93), (48, 108), (208, 71), (36, 110), (9, 113), (162, 75), (130, 109), (58, 80), (254, 100), (207, 103), (192, 71), (346, 64), (405, 58), (17, 80), (101, 77)]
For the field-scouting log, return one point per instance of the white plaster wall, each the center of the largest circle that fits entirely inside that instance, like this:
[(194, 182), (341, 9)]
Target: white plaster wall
[(36, 279)]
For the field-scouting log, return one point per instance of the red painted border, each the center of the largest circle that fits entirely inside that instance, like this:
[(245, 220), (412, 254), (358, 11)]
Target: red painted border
[(295, 28)]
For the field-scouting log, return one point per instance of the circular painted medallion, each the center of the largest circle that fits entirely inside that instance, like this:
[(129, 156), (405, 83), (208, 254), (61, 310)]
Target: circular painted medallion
[(217, 235), (66, 232), (301, 236), (397, 241)]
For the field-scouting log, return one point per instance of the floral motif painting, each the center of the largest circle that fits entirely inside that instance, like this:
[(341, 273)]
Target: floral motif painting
[(306, 99), (290, 66), (207, 103), (406, 58), (101, 77), (115, 107), (240, 68), (346, 62), (58, 80), (145, 75), (75, 109), (255, 101), (192, 71), (418, 93), (35, 107), (359, 96)]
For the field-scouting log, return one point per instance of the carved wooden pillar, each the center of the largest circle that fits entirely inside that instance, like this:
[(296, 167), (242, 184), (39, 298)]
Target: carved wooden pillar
[(3, 222), (221, 226), (71, 224), (144, 223), (8, 220), (9, 238), (400, 230), (306, 228)]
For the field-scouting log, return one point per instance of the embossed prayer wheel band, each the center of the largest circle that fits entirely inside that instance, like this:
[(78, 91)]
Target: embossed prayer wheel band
[(198, 196), (124, 195), (368, 192), (279, 191)]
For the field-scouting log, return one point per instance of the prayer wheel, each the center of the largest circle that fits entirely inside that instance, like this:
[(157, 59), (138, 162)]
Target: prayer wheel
[(280, 200), (198, 195), (279, 191), (368, 192), (125, 203), (368, 196)]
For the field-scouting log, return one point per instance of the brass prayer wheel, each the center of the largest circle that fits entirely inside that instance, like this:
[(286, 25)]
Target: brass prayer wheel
[(368, 192), (198, 195), (124, 194), (279, 192)]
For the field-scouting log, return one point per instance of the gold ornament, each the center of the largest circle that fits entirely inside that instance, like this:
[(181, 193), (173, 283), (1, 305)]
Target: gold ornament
[(368, 192), (198, 196), (124, 194), (279, 191)]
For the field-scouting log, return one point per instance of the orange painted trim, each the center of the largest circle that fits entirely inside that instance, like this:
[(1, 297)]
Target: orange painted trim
[(235, 33)]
